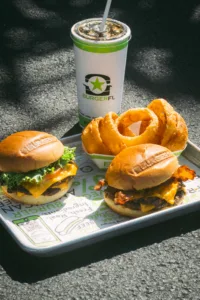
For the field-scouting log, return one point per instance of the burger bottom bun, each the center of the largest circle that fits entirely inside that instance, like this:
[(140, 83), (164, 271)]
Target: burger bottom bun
[(125, 211), (43, 199), (122, 210)]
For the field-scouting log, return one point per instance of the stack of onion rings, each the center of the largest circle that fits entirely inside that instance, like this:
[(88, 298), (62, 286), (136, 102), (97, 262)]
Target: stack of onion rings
[(160, 124), (111, 134)]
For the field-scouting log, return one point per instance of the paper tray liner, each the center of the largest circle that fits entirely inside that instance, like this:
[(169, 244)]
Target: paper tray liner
[(81, 217)]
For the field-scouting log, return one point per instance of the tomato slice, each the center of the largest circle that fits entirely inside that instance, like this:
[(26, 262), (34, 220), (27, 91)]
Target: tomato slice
[(52, 175)]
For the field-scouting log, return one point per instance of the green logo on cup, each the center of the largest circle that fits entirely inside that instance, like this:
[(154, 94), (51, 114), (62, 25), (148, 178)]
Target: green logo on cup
[(97, 85)]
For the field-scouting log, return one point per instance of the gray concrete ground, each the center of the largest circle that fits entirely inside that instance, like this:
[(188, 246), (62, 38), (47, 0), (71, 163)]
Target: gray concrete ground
[(38, 91)]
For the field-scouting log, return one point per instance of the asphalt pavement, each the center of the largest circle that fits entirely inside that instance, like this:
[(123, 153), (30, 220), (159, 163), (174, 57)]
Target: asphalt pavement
[(38, 92)]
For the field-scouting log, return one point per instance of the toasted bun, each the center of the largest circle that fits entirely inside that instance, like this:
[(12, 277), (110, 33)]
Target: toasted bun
[(29, 150), (28, 199), (140, 167), (126, 211)]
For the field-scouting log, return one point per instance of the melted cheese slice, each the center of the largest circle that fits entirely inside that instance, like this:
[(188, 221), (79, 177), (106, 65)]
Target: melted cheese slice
[(146, 207), (38, 189), (20, 194), (166, 192), (61, 186)]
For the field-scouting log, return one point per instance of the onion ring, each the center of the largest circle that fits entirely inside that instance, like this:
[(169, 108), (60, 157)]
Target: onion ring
[(108, 131), (91, 138), (166, 117), (178, 139), (111, 126), (126, 131), (143, 126)]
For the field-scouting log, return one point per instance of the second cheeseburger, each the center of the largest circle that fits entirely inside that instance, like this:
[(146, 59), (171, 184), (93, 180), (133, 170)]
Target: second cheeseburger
[(144, 178), (35, 167)]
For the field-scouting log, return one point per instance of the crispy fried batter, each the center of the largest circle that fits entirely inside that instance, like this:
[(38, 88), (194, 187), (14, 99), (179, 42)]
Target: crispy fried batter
[(92, 140), (167, 121), (178, 139)]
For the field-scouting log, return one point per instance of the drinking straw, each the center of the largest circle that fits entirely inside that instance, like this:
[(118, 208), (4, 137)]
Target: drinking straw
[(105, 15)]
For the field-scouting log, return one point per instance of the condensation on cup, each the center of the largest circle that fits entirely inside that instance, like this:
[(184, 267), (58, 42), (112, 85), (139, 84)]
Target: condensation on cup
[(100, 60)]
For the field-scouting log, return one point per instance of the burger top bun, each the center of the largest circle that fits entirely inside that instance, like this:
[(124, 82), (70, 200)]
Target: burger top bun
[(140, 167), (29, 150)]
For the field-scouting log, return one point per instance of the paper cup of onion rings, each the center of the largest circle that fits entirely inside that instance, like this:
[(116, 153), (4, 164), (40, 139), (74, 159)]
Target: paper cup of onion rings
[(105, 137), (179, 152), (102, 161)]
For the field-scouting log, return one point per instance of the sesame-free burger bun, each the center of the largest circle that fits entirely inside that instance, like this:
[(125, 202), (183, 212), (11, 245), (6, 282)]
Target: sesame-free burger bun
[(140, 167), (29, 150)]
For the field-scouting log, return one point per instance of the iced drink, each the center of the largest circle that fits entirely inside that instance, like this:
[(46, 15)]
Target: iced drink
[(100, 59)]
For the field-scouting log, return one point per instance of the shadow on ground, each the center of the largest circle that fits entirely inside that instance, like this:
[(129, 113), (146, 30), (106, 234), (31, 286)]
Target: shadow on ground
[(34, 268), (165, 39)]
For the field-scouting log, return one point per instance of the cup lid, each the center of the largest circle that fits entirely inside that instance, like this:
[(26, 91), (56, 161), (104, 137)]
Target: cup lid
[(89, 30)]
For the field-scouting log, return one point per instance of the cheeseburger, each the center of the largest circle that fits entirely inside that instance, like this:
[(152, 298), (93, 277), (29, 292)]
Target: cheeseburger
[(35, 167), (143, 179)]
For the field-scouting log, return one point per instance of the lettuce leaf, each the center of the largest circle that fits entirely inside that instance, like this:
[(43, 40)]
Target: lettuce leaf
[(12, 180)]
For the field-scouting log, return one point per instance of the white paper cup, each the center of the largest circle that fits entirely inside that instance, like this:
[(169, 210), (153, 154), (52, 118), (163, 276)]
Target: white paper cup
[(103, 161), (100, 68)]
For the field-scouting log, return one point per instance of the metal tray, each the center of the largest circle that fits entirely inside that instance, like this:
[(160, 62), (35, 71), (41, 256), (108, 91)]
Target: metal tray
[(81, 217)]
